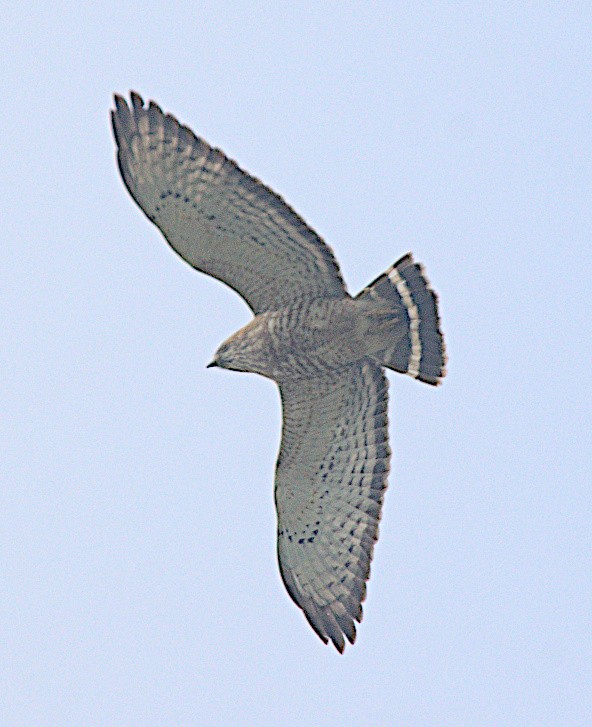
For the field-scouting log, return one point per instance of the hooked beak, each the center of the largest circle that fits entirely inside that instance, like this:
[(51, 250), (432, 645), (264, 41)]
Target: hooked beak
[(211, 364)]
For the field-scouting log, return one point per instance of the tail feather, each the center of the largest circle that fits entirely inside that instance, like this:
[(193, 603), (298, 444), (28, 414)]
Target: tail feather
[(420, 352)]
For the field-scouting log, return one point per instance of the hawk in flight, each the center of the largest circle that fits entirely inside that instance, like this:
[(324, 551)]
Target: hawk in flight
[(325, 349)]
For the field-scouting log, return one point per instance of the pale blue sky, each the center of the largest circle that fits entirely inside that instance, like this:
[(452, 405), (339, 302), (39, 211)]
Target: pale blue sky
[(138, 579)]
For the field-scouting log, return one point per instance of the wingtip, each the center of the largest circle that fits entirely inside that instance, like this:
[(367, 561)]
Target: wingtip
[(120, 119), (153, 106), (339, 645), (137, 100)]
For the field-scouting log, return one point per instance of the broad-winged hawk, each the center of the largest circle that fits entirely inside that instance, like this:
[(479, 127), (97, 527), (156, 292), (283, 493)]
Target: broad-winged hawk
[(326, 350)]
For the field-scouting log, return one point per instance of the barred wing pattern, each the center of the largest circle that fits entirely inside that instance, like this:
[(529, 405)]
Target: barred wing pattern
[(219, 219), (330, 481)]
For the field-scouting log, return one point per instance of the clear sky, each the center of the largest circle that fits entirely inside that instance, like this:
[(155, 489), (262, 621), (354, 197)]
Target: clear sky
[(138, 577)]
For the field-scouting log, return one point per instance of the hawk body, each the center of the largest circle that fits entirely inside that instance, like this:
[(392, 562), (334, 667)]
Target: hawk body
[(310, 339), (324, 349)]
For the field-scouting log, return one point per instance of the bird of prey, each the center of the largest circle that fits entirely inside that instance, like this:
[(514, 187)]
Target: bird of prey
[(325, 349)]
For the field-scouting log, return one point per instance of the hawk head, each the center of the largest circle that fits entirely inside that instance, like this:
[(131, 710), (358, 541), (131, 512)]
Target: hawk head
[(246, 350)]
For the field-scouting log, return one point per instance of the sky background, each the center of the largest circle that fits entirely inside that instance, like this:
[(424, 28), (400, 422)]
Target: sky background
[(138, 576)]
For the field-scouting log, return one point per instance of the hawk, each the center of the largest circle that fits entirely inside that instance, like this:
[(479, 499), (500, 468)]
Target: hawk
[(325, 349)]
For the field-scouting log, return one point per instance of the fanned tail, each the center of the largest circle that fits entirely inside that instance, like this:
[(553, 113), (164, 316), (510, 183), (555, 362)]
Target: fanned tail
[(420, 351)]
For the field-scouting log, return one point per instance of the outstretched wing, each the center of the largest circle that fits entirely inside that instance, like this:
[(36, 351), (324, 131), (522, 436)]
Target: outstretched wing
[(215, 216), (330, 481)]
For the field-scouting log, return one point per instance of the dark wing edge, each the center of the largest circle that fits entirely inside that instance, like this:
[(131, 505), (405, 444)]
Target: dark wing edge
[(331, 478), (138, 120)]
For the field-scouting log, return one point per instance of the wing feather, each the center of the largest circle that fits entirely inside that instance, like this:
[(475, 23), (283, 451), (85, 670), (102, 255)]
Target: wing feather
[(217, 217), (330, 482)]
